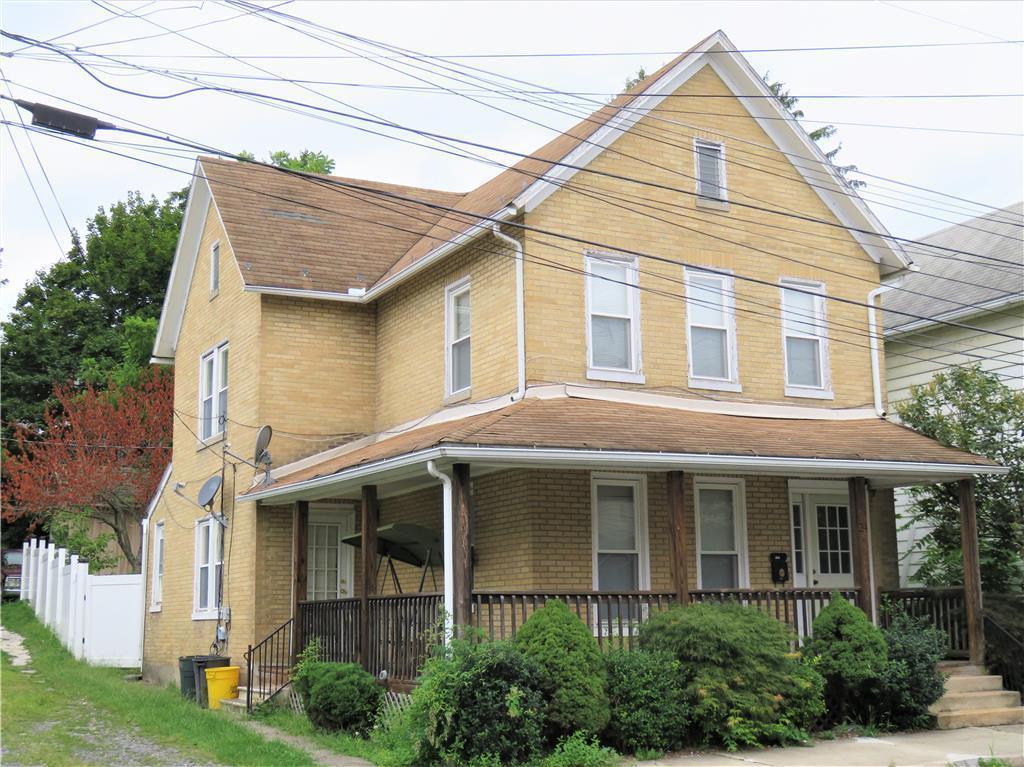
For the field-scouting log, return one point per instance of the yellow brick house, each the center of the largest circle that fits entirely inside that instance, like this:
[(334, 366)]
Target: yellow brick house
[(617, 372)]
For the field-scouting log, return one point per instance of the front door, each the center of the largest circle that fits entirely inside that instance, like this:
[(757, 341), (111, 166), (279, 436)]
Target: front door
[(330, 564), (830, 542)]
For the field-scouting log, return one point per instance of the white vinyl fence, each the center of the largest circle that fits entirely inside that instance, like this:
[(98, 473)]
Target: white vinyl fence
[(97, 617)]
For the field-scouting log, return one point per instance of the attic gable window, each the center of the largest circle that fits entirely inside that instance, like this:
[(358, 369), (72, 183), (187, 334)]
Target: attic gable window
[(215, 269), (709, 158), (458, 339)]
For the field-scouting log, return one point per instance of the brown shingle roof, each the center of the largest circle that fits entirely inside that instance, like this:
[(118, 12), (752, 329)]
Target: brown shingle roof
[(603, 425), (332, 239)]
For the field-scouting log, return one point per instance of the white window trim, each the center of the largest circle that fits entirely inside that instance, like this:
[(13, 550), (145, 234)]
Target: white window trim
[(451, 292), (825, 373), (215, 352), (212, 611), (639, 484), (634, 374), (721, 203), (215, 269), (156, 588), (333, 514), (732, 383), (738, 486)]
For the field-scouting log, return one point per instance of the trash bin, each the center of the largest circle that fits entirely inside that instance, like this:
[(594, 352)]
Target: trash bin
[(187, 676), (221, 684), (200, 664)]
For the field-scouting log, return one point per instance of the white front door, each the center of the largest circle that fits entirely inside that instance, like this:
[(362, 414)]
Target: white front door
[(330, 564), (829, 559)]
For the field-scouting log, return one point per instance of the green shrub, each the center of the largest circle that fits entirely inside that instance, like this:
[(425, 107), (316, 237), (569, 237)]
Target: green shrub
[(911, 682), (305, 670), (342, 696), (851, 654), (743, 685), (580, 750), (477, 703), (647, 697), (573, 680)]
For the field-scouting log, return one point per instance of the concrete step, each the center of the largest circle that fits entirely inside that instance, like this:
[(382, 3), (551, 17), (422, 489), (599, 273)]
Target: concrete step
[(967, 683), (961, 668), (983, 717), (234, 706), (976, 701)]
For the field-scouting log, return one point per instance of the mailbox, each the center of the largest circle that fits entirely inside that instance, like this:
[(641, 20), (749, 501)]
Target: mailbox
[(779, 562)]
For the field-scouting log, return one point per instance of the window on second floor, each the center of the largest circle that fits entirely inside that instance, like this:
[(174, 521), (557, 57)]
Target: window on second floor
[(215, 269), (710, 163), (613, 321), (213, 392), (157, 589), (458, 338), (804, 337), (711, 331)]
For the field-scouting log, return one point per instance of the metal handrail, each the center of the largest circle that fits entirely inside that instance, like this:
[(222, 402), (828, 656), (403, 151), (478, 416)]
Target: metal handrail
[(1011, 651), (276, 648)]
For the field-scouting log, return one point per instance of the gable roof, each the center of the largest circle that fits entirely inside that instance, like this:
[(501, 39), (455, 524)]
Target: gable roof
[(364, 243), (997, 235)]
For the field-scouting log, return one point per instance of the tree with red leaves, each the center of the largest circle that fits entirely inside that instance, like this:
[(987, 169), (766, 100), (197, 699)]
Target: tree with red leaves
[(99, 454)]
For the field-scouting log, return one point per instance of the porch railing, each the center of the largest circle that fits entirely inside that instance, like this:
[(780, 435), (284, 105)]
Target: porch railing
[(335, 623), (402, 629), (943, 608)]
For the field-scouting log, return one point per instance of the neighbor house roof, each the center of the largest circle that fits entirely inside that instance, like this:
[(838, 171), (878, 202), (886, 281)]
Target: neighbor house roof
[(590, 424), (961, 270)]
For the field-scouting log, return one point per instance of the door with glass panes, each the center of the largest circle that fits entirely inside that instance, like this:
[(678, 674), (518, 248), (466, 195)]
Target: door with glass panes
[(330, 564), (822, 541)]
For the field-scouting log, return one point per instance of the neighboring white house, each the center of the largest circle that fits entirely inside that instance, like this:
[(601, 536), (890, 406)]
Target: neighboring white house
[(993, 290)]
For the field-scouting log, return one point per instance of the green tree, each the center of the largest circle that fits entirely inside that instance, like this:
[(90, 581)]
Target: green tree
[(307, 160), (641, 75), (969, 409), (92, 315), (817, 135)]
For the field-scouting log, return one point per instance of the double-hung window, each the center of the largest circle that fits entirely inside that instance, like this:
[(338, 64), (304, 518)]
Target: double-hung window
[(215, 269), (621, 558), (613, 321), (458, 338), (804, 340), (709, 159), (213, 392), (711, 331), (207, 569), (721, 534), (157, 588)]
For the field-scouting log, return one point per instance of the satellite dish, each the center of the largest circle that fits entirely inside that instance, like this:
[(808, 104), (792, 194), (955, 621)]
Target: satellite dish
[(262, 442), (209, 491)]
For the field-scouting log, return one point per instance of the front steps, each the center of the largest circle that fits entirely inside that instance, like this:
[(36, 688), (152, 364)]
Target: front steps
[(974, 698)]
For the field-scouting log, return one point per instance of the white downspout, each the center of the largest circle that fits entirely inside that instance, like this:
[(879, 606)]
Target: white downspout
[(520, 310), (873, 333), (448, 526), (144, 568)]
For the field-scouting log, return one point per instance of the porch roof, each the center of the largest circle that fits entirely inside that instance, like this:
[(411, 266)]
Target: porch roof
[(569, 431)]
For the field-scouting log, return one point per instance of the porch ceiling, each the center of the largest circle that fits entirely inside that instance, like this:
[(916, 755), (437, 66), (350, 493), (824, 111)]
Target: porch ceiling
[(571, 432)]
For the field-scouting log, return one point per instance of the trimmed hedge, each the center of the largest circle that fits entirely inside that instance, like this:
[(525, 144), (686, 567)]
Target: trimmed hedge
[(341, 696), (911, 681), (647, 696)]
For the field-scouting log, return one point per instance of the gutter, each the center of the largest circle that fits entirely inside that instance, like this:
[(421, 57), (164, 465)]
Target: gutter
[(449, 547), (873, 334), (520, 307)]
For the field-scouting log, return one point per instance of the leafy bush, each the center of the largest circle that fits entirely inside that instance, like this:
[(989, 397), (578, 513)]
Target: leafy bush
[(573, 680), (342, 696), (910, 682), (304, 672), (743, 685), (478, 703), (579, 750), (647, 697), (851, 654)]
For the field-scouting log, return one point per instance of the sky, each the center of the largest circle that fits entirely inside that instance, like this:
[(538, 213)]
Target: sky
[(986, 169)]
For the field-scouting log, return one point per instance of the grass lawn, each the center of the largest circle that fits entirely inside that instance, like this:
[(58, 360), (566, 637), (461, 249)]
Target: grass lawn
[(70, 713)]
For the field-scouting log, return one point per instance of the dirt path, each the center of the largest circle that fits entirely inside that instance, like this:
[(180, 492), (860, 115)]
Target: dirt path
[(321, 755)]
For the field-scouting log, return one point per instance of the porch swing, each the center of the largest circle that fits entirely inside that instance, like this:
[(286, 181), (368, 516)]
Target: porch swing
[(407, 543)]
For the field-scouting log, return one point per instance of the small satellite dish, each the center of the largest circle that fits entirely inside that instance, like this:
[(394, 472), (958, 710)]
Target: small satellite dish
[(262, 442), (209, 491)]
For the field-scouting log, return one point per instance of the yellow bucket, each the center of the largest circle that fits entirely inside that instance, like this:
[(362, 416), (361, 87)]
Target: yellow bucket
[(221, 684)]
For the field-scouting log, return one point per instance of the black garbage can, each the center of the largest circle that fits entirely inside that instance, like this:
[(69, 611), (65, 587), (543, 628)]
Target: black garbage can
[(187, 676), (200, 663)]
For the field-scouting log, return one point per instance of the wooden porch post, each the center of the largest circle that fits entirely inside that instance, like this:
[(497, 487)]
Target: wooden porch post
[(972, 572), (861, 550), (300, 535), (370, 520), (677, 523), (463, 593)]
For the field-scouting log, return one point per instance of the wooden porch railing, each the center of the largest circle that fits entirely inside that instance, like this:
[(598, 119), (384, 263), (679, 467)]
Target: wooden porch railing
[(335, 622), (402, 629), (943, 608)]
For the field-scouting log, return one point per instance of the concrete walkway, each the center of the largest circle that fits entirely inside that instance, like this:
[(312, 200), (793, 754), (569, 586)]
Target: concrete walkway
[(933, 748)]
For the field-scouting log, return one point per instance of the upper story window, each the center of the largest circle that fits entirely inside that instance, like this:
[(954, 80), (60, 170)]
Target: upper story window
[(208, 564), (804, 338), (213, 392), (215, 269), (613, 319), (710, 163), (458, 338), (711, 331)]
